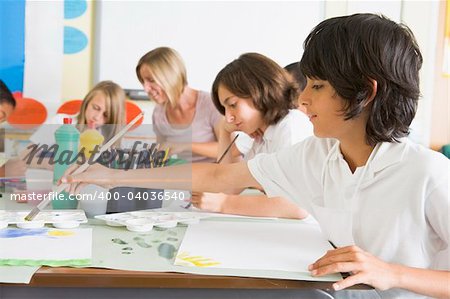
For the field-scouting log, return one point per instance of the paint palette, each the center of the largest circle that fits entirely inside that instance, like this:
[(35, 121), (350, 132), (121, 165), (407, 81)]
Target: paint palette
[(140, 221), (57, 218)]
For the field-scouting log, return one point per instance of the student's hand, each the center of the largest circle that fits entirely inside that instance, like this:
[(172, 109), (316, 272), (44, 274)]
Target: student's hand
[(227, 127), (365, 268), (211, 202), (96, 174), (15, 167)]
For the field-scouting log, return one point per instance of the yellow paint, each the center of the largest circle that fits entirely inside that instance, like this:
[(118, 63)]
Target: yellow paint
[(184, 259), (60, 233)]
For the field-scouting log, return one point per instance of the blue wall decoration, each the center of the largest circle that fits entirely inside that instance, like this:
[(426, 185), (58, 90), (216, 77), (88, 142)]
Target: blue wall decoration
[(12, 43), (74, 8), (74, 40)]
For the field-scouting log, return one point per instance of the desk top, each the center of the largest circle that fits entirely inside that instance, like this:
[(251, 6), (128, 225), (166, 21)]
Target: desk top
[(112, 278), (107, 278)]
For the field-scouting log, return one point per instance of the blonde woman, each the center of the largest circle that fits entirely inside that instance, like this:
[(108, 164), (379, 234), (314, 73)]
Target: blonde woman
[(184, 118)]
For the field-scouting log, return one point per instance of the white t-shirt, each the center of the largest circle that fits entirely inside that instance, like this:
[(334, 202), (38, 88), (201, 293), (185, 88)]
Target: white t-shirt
[(293, 128), (45, 134), (400, 212)]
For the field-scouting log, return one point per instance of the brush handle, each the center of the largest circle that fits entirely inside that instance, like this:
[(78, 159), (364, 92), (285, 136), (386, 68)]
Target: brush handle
[(227, 149)]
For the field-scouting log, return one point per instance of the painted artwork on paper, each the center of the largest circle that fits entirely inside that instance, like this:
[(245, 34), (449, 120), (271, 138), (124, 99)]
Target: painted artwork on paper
[(246, 245), (46, 246)]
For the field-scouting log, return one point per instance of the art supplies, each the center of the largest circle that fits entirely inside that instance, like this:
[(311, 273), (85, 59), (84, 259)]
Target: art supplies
[(50, 247), (145, 220), (227, 149), (280, 246), (57, 218), (83, 167), (67, 138), (90, 139)]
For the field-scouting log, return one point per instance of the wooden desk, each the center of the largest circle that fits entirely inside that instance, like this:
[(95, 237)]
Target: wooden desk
[(107, 278)]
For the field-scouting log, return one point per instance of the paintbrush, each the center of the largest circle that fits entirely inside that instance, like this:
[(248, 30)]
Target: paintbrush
[(227, 149), (84, 166), (218, 162)]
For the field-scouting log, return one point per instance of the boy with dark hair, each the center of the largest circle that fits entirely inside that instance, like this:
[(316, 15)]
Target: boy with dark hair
[(380, 198)]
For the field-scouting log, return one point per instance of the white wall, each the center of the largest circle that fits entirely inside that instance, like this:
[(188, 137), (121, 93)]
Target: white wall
[(43, 52), (422, 19), (208, 35)]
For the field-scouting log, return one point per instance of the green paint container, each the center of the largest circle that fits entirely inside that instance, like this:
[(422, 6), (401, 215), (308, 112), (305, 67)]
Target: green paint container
[(67, 138)]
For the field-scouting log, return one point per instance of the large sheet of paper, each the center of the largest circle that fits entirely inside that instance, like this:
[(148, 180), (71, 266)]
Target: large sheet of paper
[(252, 245), (45, 246), (156, 251), (17, 274)]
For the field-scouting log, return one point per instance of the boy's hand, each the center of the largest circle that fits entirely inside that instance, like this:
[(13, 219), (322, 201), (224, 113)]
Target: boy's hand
[(212, 202), (365, 268)]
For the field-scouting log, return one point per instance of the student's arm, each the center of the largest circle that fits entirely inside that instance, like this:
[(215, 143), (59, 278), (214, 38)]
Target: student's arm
[(200, 177), (216, 148), (17, 167), (206, 149), (248, 205), (368, 269)]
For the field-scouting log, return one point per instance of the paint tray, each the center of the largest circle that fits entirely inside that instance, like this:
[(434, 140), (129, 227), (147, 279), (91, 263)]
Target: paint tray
[(134, 220), (57, 218)]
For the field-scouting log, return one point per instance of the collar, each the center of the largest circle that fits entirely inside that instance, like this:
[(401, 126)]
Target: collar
[(269, 133), (390, 153), (386, 155)]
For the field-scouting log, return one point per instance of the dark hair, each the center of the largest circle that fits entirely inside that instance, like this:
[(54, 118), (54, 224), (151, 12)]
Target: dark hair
[(257, 77), (350, 51), (6, 96), (297, 75)]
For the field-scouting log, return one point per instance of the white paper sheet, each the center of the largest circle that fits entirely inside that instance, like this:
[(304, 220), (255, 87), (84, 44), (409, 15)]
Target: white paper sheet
[(252, 245), (45, 244)]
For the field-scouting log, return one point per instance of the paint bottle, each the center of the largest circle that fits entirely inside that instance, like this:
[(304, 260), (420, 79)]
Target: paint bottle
[(89, 139), (67, 138)]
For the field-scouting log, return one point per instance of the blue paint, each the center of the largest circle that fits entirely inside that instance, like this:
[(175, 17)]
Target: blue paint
[(18, 233), (74, 8), (12, 41), (74, 40)]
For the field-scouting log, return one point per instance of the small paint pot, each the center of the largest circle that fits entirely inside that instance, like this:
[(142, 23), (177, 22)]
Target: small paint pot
[(139, 225), (166, 224), (66, 224), (113, 223), (139, 214), (188, 220), (3, 224), (166, 221), (31, 224)]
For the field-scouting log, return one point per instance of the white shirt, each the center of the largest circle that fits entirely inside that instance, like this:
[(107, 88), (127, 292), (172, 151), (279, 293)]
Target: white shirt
[(45, 134), (401, 209), (292, 128)]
